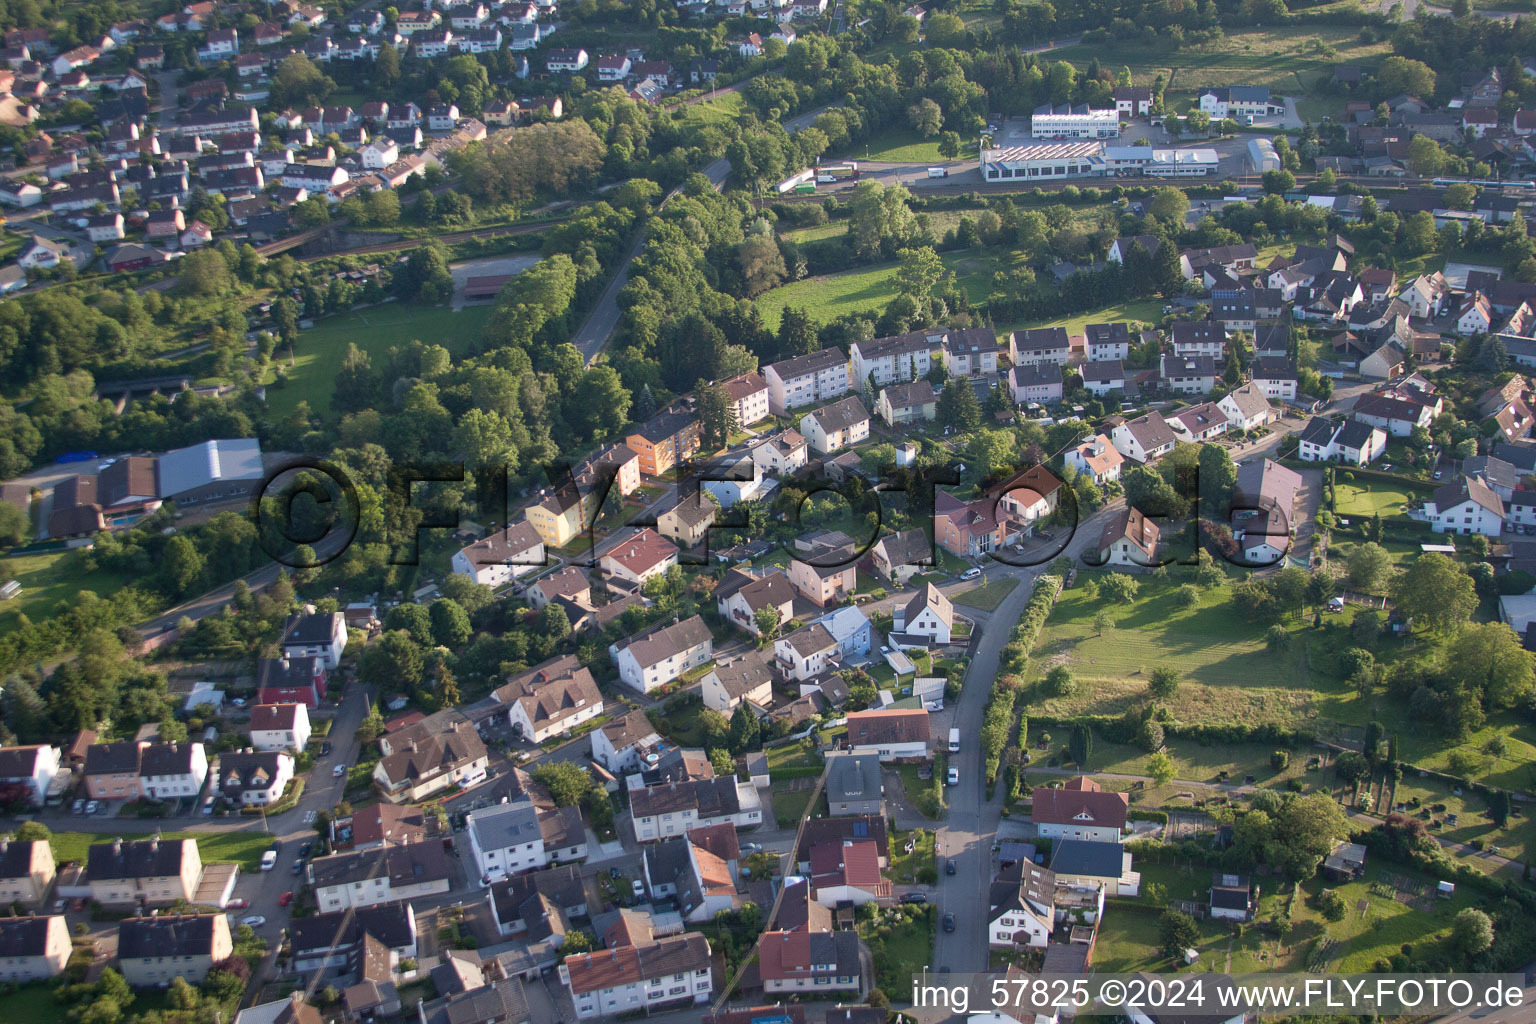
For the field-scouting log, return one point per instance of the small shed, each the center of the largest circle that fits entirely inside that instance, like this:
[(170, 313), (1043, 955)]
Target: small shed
[(1445, 890)]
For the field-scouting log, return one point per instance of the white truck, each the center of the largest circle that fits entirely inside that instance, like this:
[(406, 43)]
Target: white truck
[(954, 741)]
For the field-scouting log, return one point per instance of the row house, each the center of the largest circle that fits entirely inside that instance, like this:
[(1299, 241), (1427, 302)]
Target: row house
[(1040, 345), (144, 872), (403, 872), (669, 972), (33, 949), (26, 871), (131, 769)]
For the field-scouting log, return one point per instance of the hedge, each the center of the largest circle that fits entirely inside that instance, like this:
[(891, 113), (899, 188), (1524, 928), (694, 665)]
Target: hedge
[(997, 723), (1138, 814), (1113, 728)]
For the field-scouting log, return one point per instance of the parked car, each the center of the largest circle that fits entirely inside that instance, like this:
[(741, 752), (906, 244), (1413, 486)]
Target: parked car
[(914, 897), (298, 866), (59, 905), (949, 866), (92, 807), (237, 904), (970, 573), (751, 847), (269, 860), (304, 850), (325, 749), (339, 770), (79, 807), (949, 922), (638, 888), (254, 921), (285, 899), (954, 776)]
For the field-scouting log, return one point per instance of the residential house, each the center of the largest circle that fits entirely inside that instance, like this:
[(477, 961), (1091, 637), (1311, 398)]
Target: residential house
[(254, 778), (1277, 378), (27, 773), (1145, 439), (1394, 412), (1040, 345), (550, 699), (503, 556), (26, 871), (674, 971), (855, 786), (1187, 375), (33, 948), (654, 657), (1198, 423), (321, 635), (1232, 898), (898, 556), (378, 826), (623, 746), (1079, 810), (842, 424), (665, 440), (806, 653), (404, 872), (1090, 863), (749, 398), (1247, 408), (824, 569), (1022, 906), (171, 771), (431, 763), (673, 808), (1104, 342), (1199, 338), (741, 595), (847, 873), (539, 905), (290, 681), (1467, 506), (745, 679), (154, 951), (505, 840), (1038, 383), (927, 619), (906, 403), (809, 961), (781, 454), (1350, 441), (890, 734), (1128, 540), (640, 556), (687, 523), (806, 380), (143, 872), (850, 628), (966, 529), (1097, 457)]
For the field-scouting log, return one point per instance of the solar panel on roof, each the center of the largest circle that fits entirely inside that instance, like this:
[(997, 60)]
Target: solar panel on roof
[(860, 828)]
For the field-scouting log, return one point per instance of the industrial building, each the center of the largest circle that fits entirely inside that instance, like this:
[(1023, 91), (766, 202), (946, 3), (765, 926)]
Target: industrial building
[(1065, 121), (1261, 153), (1094, 159)]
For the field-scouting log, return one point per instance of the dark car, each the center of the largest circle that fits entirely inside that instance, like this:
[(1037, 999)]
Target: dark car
[(949, 922), (304, 851), (325, 750), (949, 867), (914, 897), (298, 867)]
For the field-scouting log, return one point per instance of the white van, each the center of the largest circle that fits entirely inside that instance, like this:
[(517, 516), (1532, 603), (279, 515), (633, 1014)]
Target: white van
[(970, 573), (954, 741), (938, 172)]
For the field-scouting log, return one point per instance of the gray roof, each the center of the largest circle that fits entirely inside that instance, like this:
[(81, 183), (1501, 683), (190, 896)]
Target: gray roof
[(144, 858), (502, 1001), (1083, 857), (842, 414), (186, 469), (142, 937), (497, 828), (1493, 469), (23, 936), (854, 777), (389, 923)]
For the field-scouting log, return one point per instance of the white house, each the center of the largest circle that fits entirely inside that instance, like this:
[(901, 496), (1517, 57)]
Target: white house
[(929, 616), (805, 653), (1247, 408), (673, 971), (403, 871), (550, 699), (1467, 506), (169, 771), (891, 734), (316, 635), (746, 679), (255, 778), (621, 746), (1351, 441), (33, 767), (658, 655), (1023, 907), (834, 427), (806, 380), (1079, 810), (1096, 456), (505, 839), (1145, 438), (503, 556), (279, 726)]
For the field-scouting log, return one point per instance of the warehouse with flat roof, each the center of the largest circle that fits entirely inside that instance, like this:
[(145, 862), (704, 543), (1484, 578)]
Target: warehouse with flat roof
[(1046, 160)]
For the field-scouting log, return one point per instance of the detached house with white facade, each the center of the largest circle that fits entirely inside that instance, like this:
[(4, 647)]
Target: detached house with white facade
[(1467, 506), (656, 656), (1079, 810), (840, 425)]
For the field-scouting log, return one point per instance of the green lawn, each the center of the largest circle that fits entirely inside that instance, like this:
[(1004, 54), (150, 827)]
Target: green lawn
[(1228, 674), (320, 350), (866, 290), (40, 998), (987, 597), (243, 847), (790, 806), (46, 580), (1148, 311), (905, 867), (1288, 59), (1363, 497), (925, 794), (900, 146), (722, 108), (900, 943), (818, 232)]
